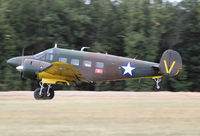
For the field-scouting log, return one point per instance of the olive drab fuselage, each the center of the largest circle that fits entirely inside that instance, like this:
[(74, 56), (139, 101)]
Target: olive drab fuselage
[(98, 66)]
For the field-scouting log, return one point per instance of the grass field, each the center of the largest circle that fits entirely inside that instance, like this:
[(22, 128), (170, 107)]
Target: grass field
[(100, 114)]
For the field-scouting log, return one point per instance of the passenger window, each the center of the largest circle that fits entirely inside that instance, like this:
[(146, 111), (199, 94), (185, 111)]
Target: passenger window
[(63, 60), (75, 62), (87, 63), (49, 57), (99, 65)]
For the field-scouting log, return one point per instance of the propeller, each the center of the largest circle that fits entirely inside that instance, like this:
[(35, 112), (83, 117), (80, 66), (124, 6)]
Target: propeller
[(20, 68)]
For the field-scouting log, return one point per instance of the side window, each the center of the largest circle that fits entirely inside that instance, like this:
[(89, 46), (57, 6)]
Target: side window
[(49, 57), (63, 60), (75, 62), (99, 65), (87, 63), (43, 57)]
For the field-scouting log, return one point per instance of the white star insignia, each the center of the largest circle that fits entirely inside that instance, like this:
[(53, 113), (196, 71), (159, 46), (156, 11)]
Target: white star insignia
[(128, 69)]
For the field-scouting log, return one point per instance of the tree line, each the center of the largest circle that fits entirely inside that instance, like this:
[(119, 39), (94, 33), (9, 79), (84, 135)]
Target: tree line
[(129, 28)]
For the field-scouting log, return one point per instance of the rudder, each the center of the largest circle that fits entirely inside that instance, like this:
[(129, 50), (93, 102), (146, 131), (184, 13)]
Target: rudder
[(170, 63)]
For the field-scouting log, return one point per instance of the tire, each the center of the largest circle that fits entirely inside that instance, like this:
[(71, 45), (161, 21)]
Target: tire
[(51, 96), (37, 95), (157, 89)]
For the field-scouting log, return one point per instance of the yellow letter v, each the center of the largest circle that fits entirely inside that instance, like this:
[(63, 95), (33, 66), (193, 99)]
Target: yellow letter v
[(168, 71)]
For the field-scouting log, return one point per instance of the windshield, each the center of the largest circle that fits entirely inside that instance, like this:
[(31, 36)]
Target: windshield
[(39, 55), (42, 54)]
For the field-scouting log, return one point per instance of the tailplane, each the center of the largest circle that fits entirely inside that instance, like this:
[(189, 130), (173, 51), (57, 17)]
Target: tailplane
[(170, 63)]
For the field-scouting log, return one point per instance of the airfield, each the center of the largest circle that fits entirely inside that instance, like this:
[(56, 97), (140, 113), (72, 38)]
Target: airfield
[(83, 113)]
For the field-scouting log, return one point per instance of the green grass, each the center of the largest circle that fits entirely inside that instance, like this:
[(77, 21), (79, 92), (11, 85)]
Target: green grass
[(99, 116)]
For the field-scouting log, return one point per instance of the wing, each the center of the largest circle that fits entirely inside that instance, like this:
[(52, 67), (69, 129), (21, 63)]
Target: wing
[(60, 72)]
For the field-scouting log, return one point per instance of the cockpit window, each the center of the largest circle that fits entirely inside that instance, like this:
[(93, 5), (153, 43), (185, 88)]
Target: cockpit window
[(49, 57), (45, 55), (49, 51), (39, 55)]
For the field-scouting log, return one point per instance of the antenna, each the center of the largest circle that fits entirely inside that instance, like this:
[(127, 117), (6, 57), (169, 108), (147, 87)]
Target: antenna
[(82, 49), (135, 57), (56, 45)]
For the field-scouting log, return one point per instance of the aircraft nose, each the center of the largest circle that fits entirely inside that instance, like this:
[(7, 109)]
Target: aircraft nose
[(13, 62)]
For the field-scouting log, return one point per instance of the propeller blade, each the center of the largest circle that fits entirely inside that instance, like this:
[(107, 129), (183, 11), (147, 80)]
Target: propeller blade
[(21, 76), (22, 61)]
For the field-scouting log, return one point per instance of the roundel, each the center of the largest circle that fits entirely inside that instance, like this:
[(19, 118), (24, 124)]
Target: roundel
[(128, 69)]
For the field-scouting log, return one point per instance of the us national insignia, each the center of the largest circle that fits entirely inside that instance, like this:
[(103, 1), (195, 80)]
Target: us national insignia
[(128, 69)]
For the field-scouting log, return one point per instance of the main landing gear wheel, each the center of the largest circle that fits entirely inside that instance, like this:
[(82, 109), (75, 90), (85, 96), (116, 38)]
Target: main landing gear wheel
[(44, 93), (40, 95)]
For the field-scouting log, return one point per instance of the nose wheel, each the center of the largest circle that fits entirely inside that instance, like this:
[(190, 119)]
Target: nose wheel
[(44, 93), (158, 80)]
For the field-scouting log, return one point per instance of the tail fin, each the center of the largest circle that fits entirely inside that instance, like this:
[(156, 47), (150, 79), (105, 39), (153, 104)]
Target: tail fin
[(170, 63)]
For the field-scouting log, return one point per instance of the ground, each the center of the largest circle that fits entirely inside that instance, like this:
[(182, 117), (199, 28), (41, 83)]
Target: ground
[(75, 113)]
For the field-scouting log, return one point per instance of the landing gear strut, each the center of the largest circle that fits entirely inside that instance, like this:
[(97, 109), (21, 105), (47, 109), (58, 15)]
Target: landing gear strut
[(157, 80), (44, 93)]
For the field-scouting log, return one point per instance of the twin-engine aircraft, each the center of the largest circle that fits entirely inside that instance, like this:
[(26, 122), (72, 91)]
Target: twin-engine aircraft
[(63, 66)]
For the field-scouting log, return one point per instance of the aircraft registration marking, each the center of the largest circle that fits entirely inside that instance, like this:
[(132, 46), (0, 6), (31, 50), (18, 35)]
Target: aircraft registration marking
[(168, 71)]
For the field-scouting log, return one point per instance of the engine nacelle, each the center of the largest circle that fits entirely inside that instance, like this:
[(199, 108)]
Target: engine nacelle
[(32, 67)]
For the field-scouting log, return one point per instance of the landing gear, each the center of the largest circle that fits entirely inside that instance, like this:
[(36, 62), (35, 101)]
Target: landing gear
[(44, 93), (50, 92), (39, 95), (157, 80)]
